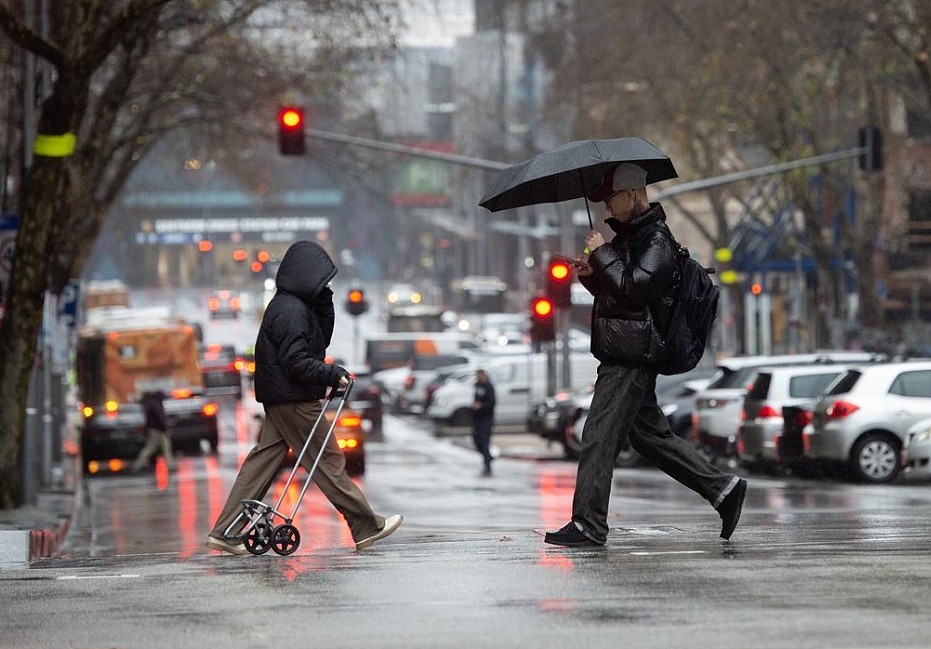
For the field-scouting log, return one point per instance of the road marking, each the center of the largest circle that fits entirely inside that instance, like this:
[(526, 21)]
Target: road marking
[(644, 553), (99, 577)]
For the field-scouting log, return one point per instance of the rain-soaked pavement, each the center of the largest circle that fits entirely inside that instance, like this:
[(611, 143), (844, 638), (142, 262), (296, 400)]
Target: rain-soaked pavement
[(812, 564)]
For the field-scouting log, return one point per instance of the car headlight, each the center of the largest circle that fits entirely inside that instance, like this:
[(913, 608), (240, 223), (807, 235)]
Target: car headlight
[(921, 437)]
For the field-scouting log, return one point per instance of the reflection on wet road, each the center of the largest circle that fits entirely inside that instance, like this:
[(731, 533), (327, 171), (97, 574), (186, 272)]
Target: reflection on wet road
[(813, 564)]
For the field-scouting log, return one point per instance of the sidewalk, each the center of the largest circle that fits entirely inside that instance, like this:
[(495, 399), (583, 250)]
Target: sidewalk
[(36, 531)]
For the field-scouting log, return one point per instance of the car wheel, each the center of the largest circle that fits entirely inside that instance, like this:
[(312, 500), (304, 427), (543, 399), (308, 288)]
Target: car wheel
[(875, 459), (572, 447), (355, 466)]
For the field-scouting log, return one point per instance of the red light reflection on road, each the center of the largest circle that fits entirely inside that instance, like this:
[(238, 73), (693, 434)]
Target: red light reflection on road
[(191, 534), (161, 474), (556, 490)]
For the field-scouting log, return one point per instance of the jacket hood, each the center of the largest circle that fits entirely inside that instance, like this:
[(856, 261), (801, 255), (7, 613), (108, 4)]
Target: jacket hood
[(654, 214), (305, 270)]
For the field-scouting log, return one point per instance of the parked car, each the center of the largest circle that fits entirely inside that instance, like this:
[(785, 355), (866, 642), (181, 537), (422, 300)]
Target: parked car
[(224, 304), (519, 381), (111, 439), (761, 420), (717, 408), (862, 420), (916, 452), (366, 400), (550, 417), (349, 434), (221, 370), (410, 397), (674, 394)]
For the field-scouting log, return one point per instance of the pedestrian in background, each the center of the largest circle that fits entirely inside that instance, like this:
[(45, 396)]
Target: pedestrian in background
[(291, 378), (483, 417), (156, 427), (632, 279)]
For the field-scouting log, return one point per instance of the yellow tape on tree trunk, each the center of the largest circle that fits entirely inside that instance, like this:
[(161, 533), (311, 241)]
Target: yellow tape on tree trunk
[(55, 146)]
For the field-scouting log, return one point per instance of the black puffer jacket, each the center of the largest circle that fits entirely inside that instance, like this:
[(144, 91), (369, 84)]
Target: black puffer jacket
[(634, 276), (296, 330)]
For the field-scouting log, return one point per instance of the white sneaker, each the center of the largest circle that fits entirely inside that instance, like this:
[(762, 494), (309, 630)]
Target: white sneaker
[(391, 524), (214, 543)]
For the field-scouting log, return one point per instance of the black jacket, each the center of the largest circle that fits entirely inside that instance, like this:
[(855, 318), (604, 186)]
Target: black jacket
[(296, 330), (485, 397), (154, 408), (634, 276)]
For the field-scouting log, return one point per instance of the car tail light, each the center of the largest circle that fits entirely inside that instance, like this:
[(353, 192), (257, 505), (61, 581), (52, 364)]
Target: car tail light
[(87, 411), (768, 412), (239, 364), (350, 421), (210, 409), (213, 304), (409, 382), (181, 393), (347, 443), (841, 409), (112, 406), (234, 303)]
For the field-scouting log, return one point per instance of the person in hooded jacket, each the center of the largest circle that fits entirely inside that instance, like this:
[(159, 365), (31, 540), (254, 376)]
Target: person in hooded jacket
[(291, 378), (632, 279)]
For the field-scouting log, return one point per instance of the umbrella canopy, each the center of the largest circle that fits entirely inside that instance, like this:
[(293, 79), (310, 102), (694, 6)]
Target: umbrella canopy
[(572, 171)]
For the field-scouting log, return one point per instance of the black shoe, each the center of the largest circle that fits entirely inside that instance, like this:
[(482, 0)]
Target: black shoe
[(730, 508), (570, 536)]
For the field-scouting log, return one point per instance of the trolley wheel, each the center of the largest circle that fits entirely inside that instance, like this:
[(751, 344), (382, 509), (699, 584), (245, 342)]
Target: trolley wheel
[(285, 539), (257, 540)]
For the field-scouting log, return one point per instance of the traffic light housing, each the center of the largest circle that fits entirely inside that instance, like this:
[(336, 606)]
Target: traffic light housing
[(871, 139), (559, 283), (291, 130), (356, 304), (542, 320)]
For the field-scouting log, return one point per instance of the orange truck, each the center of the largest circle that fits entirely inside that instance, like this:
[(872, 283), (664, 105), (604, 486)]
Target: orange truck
[(120, 357)]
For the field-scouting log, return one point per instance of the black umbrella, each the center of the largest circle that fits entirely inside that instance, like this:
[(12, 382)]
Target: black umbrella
[(573, 171)]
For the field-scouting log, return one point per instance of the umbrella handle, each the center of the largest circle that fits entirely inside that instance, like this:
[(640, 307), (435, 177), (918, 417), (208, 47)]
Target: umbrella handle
[(587, 208)]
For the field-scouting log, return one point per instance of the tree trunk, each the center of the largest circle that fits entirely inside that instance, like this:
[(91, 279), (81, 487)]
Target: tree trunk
[(46, 183)]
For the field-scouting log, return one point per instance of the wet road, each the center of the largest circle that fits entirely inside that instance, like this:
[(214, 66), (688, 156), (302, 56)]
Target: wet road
[(813, 564)]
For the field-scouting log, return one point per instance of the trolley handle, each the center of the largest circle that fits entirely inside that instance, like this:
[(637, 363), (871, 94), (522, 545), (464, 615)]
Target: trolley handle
[(343, 393)]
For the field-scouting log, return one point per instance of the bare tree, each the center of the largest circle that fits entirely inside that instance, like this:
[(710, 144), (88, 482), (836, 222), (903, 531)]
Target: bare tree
[(125, 74)]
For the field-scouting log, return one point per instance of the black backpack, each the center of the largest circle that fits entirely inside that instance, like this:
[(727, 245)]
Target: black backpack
[(695, 307)]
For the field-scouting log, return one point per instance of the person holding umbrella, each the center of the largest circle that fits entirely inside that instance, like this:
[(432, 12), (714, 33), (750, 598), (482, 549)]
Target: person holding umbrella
[(632, 278)]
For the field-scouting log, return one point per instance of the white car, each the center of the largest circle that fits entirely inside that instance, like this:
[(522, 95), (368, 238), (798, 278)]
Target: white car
[(916, 454), (864, 417), (716, 418), (519, 382)]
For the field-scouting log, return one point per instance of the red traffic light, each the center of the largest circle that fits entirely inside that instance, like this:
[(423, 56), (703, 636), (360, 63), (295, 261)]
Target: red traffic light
[(756, 288), (559, 271), (542, 307), (291, 130), (290, 117), (355, 296)]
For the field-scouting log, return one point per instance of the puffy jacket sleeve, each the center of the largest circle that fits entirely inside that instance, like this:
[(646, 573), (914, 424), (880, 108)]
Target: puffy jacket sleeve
[(642, 278), (299, 352)]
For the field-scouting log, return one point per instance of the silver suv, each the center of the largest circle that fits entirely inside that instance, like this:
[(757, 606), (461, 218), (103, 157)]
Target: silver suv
[(761, 417), (863, 418), (716, 418)]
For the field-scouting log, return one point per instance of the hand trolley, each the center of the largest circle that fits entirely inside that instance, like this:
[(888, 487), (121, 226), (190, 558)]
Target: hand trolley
[(261, 533)]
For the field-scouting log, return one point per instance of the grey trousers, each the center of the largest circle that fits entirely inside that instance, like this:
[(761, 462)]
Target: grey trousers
[(287, 425), (624, 404)]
